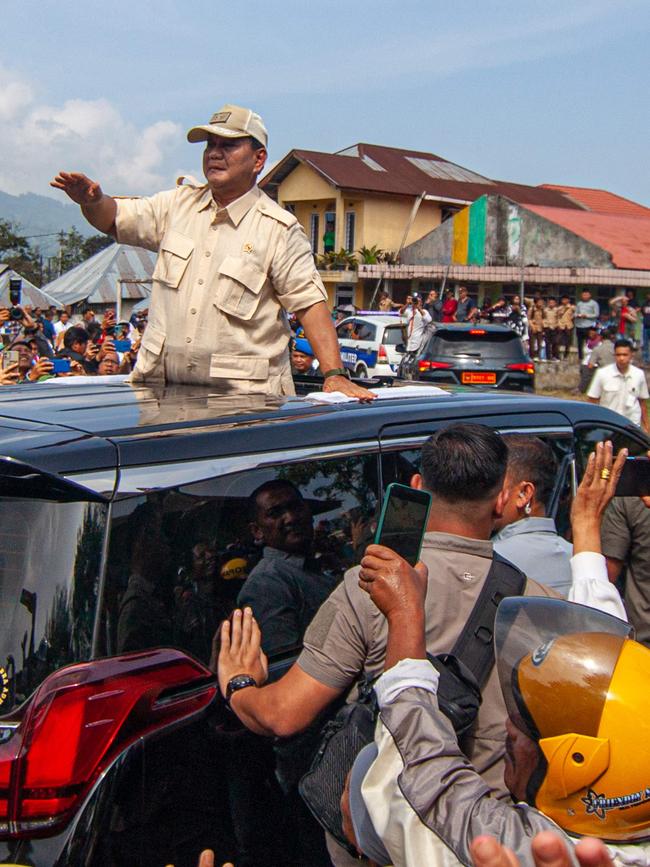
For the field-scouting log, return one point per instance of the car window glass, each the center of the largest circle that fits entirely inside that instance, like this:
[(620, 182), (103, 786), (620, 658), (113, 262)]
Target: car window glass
[(365, 331), (278, 539), (587, 436), (50, 560), (393, 335), (484, 345)]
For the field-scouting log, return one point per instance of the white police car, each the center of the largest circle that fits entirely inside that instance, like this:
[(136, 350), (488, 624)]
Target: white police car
[(372, 344)]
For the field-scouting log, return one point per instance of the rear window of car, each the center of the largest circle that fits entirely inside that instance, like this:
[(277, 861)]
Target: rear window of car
[(487, 344), (393, 335)]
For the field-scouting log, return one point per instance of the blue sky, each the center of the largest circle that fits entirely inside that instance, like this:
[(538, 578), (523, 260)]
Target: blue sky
[(525, 91)]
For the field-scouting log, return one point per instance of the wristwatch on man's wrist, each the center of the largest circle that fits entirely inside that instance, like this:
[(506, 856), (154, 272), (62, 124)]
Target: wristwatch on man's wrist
[(337, 371), (239, 681)]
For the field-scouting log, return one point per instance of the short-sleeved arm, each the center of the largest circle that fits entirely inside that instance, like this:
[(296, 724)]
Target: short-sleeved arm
[(295, 279), (335, 646), (642, 392), (595, 390), (615, 532), (142, 222)]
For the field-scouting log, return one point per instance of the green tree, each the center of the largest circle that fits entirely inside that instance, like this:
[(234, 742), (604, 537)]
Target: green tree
[(16, 252)]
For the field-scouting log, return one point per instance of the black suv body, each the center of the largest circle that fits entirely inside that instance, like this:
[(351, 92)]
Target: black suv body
[(488, 356), (115, 746)]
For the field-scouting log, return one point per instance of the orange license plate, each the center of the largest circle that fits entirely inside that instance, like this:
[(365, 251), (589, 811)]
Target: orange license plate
[(473, 378)]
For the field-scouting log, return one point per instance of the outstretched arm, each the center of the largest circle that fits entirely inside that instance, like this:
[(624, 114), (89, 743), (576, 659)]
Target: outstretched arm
[(100, 210)]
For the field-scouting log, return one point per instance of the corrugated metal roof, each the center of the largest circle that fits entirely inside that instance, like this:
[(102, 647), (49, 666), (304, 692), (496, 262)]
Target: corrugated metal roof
[(95, 280), (30, 293), (626, 239), (407, 173), (601, 200)]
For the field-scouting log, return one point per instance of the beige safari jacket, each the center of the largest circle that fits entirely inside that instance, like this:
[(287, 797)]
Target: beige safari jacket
[(222, 283)]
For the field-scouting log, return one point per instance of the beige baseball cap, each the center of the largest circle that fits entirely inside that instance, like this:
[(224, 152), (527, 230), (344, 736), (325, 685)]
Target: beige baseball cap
[(231, 121)]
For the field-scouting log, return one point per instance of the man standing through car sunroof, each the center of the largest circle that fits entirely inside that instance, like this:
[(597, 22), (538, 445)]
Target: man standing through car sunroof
[(231, 264)]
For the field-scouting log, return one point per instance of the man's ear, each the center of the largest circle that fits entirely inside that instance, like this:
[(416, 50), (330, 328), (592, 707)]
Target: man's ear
[(260, 159), (417, 482), (500, 502)]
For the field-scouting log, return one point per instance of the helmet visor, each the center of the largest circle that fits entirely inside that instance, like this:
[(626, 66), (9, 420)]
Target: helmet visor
[(555, 660)]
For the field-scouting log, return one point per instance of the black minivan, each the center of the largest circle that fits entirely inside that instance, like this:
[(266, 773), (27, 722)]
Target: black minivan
[(125, 539)]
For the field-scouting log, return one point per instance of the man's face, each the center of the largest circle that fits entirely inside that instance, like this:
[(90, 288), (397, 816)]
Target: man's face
[(283, 521), (80, 346), (25, 356), (433, 295), (64, 318), (521, 760), (89, 315), (109, 365), (623, 357), (231, 165), (564, 301), (301, 361), (552, 302), (585, 296), (462, 293), (204, 561)]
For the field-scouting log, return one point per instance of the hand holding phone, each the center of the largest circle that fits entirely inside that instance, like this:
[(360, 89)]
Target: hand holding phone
[(403, 521)]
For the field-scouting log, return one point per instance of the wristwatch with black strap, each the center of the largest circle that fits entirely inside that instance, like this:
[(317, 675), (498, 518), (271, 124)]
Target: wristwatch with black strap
[(337, 371), (239, 681)]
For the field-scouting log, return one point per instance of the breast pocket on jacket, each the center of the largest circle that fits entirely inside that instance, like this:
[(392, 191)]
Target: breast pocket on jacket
[(173, 258), (239, 284)]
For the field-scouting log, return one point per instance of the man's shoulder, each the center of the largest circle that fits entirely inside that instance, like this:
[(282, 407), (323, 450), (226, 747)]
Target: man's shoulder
[(269, 208), (534, 588)]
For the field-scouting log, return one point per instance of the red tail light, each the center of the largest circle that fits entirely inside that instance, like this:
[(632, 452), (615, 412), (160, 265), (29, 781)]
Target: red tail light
[(79, 720), (524, 367), (477, 331), (432, 365), (382, 355)]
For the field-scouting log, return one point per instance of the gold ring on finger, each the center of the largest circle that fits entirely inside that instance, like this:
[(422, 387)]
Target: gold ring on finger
[(605, 473)]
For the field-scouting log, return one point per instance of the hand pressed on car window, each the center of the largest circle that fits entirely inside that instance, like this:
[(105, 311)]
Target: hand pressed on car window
[(241, 651)]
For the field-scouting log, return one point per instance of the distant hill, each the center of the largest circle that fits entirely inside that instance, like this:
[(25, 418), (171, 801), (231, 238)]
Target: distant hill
[(37, 215)]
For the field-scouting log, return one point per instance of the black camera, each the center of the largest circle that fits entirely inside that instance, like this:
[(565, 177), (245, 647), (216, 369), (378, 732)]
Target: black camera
[(15, 297)]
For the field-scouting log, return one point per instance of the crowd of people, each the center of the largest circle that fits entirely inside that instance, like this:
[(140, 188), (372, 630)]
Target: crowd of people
[(566, 675), (39, 344), (549, 326)]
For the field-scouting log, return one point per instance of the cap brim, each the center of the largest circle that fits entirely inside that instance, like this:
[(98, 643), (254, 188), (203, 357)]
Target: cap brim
[(201, 133)]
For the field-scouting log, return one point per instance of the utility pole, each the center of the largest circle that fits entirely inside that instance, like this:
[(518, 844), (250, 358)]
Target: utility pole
[(61, 240)]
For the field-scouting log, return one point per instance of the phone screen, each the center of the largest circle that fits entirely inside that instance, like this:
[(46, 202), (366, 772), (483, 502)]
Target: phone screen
[(403, 521), (635, 478)]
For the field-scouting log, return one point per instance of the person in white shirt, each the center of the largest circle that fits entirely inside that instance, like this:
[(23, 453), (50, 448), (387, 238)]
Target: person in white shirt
[(622, 387)]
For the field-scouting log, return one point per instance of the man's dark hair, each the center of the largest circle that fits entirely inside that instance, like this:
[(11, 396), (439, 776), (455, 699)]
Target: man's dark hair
[(623, 343), (464, 463), (530, 459), (93, 330), (265, 488), (255, 144), (608, 333), (76, 334)]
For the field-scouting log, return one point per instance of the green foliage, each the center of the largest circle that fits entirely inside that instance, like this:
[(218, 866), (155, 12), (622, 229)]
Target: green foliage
[(341, 261), (370, 255)]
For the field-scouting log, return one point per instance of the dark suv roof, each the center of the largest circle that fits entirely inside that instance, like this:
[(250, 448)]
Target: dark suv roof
[(69, 429)]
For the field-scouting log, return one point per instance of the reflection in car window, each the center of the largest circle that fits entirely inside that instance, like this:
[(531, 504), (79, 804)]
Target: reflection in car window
[(393, 335), (587, 437), (278, 539), (50, 558)]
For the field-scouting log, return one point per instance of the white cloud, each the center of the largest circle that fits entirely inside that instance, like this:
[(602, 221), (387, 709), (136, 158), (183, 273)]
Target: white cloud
[(90, 136)]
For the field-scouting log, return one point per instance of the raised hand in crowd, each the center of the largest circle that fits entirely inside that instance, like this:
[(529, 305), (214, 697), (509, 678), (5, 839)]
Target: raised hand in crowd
[(594, 492), (42, 367), (399, 591), (9, 375), (4, 315), (241, 651), (548, 850), (107, 347)]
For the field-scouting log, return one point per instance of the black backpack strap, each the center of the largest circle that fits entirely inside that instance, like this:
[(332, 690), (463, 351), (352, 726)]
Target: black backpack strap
[(475, 645)]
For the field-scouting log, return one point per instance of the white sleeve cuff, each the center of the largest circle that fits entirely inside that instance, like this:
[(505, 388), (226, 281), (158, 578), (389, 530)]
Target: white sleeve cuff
[(588, 565), (407, 673)]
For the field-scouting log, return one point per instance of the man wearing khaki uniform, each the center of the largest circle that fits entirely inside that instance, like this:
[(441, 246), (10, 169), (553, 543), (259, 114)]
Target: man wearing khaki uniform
[(231, 263)]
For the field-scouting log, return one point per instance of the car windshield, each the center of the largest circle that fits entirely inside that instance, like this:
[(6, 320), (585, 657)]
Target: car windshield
[(477, 342), (50, 555)]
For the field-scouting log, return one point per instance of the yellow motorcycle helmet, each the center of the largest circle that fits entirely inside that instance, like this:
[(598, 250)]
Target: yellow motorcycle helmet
[(576, 682)]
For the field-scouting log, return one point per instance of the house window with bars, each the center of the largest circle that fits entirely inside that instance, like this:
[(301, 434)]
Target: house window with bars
[(350, 219), (313, 233)]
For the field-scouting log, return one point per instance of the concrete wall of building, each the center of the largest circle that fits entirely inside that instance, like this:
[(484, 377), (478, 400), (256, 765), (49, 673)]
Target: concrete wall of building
[(385, 221), (303, 184), (514, 236)]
